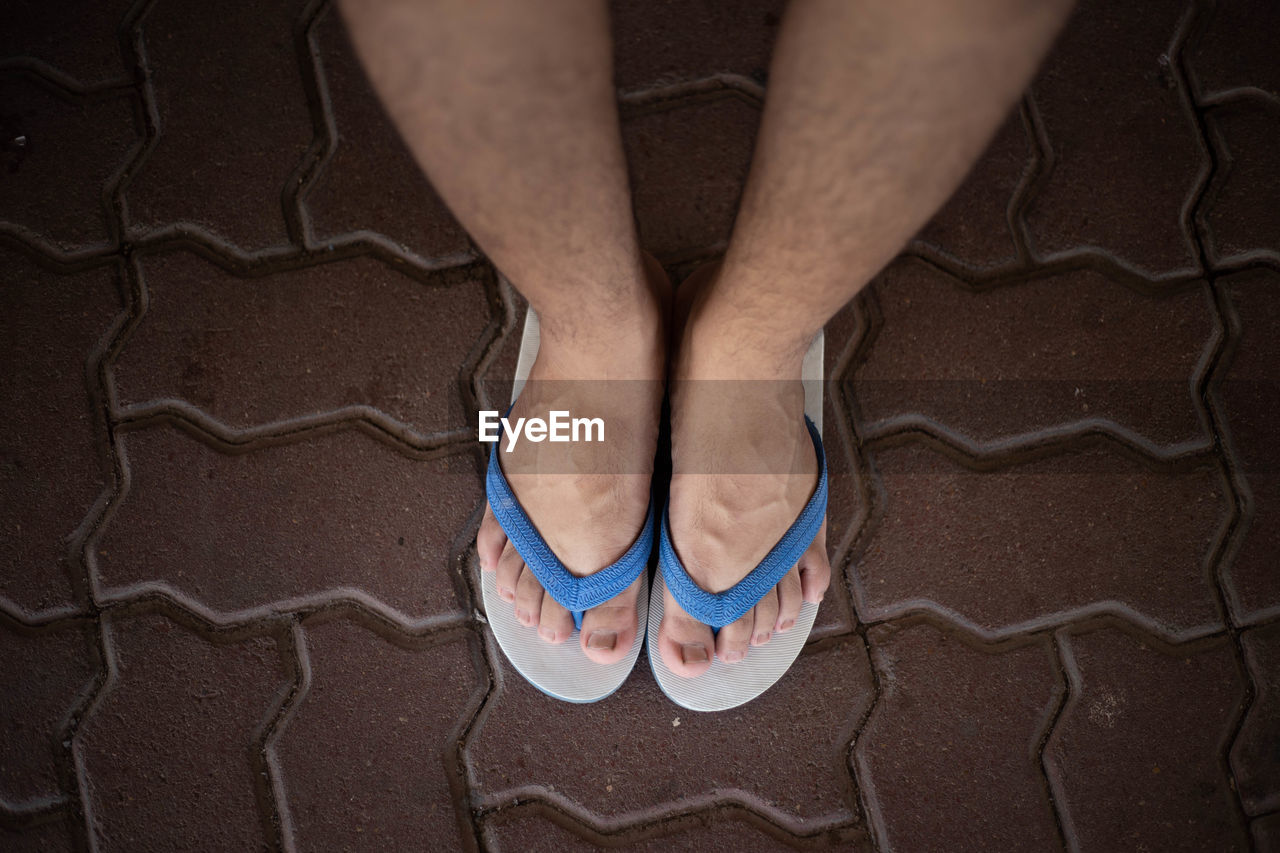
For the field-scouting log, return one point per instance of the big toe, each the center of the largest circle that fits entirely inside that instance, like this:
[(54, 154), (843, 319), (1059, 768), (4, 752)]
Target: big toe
[(609, 630), (685, 644)]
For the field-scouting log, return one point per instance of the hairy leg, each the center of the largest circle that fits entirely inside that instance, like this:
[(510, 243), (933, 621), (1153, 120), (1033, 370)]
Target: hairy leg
[(875, 112), (509, 107)]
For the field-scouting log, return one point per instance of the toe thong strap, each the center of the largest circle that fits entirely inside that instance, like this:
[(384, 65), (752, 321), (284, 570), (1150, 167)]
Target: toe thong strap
[(575, 594), (718, 609)]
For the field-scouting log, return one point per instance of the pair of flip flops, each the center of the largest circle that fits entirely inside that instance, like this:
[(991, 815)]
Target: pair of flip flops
[(564, 671)]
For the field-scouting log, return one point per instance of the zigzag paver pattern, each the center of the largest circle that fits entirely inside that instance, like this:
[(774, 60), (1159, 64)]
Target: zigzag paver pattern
[(245, 342)]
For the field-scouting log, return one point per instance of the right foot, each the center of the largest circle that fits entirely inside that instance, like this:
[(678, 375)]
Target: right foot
[(588, 500)]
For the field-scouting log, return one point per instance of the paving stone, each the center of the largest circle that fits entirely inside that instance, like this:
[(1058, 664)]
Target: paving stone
[(963, 724), (1237, 47), (70, 147), (169, 750), (1123, 785), (635, 753), (1242, 211), (1126, 147), (1250, 402), (668, 41), (364, 756), (1266, 833), (44, 673), (1035, 542), (233, 117), (687, 167), (51, 439), (527, 830), (973, 226), (260, 350), (1255, 756), (339, 514), (372, 182), (1046, 352), (76, 37), (54, 835)]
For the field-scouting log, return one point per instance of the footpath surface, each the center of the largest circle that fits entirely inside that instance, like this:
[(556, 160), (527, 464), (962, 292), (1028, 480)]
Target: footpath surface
[(245, 345)]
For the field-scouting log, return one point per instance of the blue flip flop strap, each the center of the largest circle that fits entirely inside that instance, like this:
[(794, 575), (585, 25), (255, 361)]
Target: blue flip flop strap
[(718, 609), (575, 594)]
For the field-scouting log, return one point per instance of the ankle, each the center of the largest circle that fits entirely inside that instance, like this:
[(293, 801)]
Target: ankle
[(626, 344), (722, 342)]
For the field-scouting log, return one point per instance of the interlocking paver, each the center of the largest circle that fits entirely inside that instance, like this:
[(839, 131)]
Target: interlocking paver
[(75, 37), (1126, 149), (372, 183), (973, 226), (56, 834), (1250, 395), (1022, 545), (169, 750), (1136, 758), (233, 119), (1255, 756), (687, 168), (1059, 350), (671, 41), (963, 724), (1237, 47), (251, 351), (1242, 209), (44, 673), (364, 756), (339, 515), (57, 155), (525, 829), (999, 509), (52, 450), (1266, 833), (635, 754)]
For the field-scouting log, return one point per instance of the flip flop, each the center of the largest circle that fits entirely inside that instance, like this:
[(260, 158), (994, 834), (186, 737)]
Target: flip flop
[(724, 686), (559, 670)]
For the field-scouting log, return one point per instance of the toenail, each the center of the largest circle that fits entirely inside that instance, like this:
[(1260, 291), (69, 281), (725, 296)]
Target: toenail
[(505, 594), (522, 615), (547, 633), (602, 640), (761, 639), (693, 653), (733, 656), (787, 625)]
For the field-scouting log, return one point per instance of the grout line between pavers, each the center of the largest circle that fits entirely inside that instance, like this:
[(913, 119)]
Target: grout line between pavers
[(1196, 17)]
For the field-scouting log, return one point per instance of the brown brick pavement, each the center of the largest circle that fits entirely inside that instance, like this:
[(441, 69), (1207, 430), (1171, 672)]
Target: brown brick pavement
[(244, 342)]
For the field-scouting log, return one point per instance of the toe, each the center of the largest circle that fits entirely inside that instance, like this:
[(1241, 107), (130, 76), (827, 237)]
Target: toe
[(608, 631), (685, 644), (556, 623), (790, 598), (765, 617), (510, 565), (489, 541), (528, 599), (733, 639), (815, 568)]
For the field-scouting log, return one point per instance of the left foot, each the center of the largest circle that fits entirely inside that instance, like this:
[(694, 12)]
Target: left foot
[(743, 468)]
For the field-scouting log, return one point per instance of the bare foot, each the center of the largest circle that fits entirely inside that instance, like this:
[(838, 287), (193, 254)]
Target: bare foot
[(588, 500), (743, 467)]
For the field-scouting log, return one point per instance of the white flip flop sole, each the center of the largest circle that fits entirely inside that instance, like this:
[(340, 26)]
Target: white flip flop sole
[(724, 685), (559, 670)]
